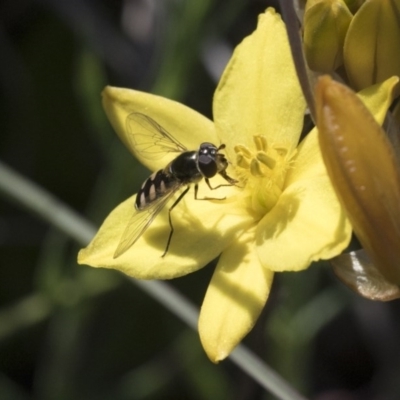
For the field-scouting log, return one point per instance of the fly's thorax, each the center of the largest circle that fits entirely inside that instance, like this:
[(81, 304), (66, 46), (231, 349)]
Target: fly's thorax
[(157, 185), (263, 168), (184, 168)]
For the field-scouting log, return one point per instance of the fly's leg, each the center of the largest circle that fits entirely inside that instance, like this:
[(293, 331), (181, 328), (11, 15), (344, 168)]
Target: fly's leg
[(232, 182), (170, 220), (196, 188)]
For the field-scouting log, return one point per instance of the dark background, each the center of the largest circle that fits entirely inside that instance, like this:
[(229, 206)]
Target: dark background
[(72, 332)]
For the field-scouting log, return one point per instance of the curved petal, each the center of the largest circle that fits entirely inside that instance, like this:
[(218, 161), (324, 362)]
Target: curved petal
[(184, 124), (307, 223), (202, 230), (235, 297), (379, 97), (259, 89)]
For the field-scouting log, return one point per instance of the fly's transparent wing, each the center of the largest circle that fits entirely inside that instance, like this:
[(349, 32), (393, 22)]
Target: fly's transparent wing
[(140, 221), (149, 138)]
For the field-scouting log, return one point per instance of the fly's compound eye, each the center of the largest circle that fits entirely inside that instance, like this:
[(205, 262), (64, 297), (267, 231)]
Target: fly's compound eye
[(207, 166), (207, 149)]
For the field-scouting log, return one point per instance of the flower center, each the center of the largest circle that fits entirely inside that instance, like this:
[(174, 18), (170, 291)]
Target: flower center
[(263, 169)]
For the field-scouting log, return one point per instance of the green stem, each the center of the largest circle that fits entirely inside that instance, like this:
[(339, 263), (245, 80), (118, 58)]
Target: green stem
[(27, 312)]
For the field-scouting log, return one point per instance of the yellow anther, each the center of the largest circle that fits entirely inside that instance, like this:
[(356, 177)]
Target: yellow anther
[(255, 168), (239, 148), (261, 142), (242, 161), (266, 159)]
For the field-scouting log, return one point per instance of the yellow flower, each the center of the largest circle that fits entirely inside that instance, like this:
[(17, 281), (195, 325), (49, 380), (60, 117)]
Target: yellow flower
[(283, 215)]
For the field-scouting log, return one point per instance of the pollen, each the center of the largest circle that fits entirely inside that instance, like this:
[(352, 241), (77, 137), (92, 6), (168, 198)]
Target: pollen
[(262, 167)]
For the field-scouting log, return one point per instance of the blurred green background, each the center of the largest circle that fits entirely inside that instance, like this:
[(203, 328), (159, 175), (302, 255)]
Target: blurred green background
[(72, 332)]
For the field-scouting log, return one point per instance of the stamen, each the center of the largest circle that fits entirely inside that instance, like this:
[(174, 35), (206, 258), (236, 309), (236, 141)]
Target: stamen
[(239, 148), (242, 161), (261, 143), (255, 168), (263, 169), (266, 159)]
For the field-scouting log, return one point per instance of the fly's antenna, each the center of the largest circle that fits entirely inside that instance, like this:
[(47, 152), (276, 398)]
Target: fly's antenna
[(221, 147)]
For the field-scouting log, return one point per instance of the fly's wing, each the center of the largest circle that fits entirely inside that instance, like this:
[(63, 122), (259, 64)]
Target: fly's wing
[(140, 221), (149, 138)]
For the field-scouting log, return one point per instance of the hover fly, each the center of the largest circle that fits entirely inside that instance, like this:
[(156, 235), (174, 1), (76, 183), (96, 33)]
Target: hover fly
[(189, 167)]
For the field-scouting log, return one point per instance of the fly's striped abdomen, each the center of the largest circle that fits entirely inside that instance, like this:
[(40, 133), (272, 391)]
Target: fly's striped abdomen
[(156, 186)]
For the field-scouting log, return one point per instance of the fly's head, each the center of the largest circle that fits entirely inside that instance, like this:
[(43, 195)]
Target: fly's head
[(210, 161)]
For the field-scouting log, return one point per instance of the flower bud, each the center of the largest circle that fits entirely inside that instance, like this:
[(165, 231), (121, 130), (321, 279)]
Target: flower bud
[(354, 5), (371, 48), (325, 26), (364, 171)]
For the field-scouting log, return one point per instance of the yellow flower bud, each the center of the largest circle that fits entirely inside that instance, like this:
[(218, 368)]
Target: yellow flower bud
[(371, 49), (325, 26), (364, 171)]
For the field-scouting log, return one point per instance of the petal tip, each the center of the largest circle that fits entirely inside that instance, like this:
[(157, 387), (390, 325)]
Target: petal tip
[(107, 91), (82, 258), (215, 353)]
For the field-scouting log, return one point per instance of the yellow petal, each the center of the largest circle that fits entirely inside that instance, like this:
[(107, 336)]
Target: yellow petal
[(379, 97), (371, 49), (363, 168), (202, 230), (307, 223), (325, 26), (184, 124), (235, 297), (259, 89)]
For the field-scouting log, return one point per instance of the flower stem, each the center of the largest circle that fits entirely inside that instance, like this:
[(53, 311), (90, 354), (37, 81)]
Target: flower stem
[(296, 47)]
